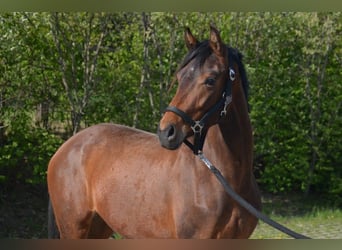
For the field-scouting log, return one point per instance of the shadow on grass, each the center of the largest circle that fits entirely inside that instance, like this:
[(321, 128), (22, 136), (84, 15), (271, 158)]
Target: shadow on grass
[(295, 205), (23, 210)]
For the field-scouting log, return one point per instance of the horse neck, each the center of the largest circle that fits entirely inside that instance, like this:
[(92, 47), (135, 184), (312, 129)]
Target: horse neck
[(231, 139)]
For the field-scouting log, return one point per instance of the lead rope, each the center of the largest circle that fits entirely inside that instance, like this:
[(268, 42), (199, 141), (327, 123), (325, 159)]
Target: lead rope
[(244, 203)]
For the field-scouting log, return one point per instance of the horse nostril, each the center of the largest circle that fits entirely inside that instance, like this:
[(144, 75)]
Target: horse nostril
[(171, 133), (170, 137)]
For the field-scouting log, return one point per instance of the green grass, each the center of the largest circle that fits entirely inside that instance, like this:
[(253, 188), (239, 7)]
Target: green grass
[(309, 216), (24, 215)]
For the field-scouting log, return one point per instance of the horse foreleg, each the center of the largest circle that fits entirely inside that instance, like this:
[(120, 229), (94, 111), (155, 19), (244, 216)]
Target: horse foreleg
[(240, 226), (74, 225)]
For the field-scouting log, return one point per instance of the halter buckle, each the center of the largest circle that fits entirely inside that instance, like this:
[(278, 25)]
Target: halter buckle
[(231, 74), (226, 103), (197, 127)]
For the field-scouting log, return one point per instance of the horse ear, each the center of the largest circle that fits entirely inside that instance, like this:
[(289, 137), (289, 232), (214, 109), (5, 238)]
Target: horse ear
[(215, 41), (190, 40)]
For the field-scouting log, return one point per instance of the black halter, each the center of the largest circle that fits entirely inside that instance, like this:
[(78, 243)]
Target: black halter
[(199, 127)]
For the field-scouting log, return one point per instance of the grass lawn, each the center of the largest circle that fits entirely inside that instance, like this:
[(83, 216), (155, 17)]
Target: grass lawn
[(309, 216)]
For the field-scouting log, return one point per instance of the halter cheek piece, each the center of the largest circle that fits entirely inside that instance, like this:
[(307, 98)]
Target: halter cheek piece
[(198, 127)]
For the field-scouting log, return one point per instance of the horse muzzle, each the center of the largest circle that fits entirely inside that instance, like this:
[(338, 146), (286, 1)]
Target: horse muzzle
[(170, 137)]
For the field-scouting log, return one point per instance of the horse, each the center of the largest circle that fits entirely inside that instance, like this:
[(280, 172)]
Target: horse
[(111, 178)]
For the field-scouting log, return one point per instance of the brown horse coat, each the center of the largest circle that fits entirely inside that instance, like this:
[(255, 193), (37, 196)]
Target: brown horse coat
[(112, 178)]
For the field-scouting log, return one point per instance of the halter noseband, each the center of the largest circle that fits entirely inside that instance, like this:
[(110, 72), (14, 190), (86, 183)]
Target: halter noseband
[(199, 125)]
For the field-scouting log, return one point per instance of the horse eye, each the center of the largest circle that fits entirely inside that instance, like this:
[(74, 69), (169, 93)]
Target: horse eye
[(210, 81)]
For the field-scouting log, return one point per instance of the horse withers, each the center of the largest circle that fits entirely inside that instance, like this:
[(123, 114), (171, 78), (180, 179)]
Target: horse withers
[(112, 178)]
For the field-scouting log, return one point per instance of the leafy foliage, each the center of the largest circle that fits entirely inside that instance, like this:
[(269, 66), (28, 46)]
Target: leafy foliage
[(24, 154), (61, 72)]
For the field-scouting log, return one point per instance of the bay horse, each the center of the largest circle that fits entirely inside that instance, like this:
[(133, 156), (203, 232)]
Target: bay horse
[(111, 178)]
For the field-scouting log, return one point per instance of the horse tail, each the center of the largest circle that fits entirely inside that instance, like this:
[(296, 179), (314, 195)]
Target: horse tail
[(53, 232)]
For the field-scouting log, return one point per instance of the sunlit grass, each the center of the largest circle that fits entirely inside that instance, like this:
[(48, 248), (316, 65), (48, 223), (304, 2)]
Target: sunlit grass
[(318, 221)]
